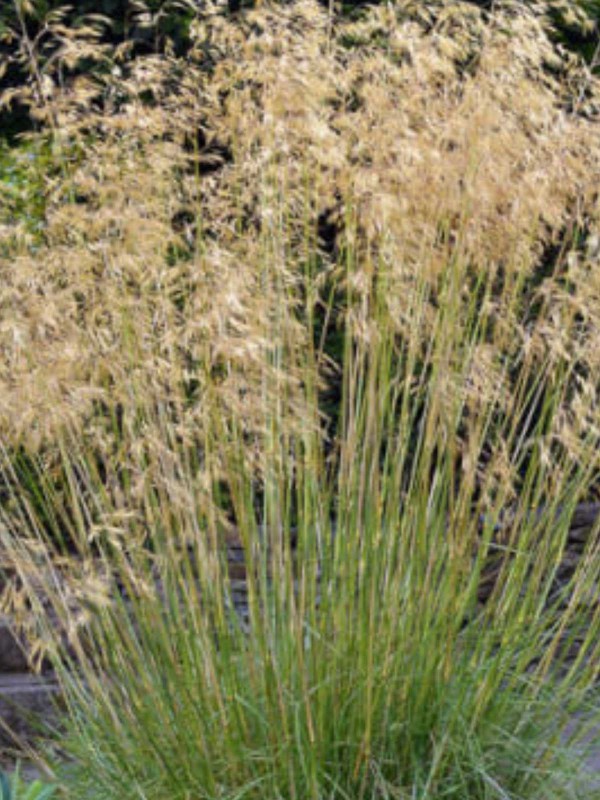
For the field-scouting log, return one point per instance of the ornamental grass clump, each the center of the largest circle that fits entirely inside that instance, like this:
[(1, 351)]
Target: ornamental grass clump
[(334, 300)]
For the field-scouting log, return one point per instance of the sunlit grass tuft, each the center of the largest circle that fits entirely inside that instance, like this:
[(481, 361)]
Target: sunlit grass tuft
[(338, 305)]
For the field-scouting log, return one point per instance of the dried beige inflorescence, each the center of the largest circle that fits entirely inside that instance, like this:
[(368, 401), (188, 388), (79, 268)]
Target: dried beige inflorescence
[(428, 135)]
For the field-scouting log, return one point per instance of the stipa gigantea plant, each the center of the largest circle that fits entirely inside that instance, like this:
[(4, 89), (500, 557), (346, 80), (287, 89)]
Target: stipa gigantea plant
[(368, 667)]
